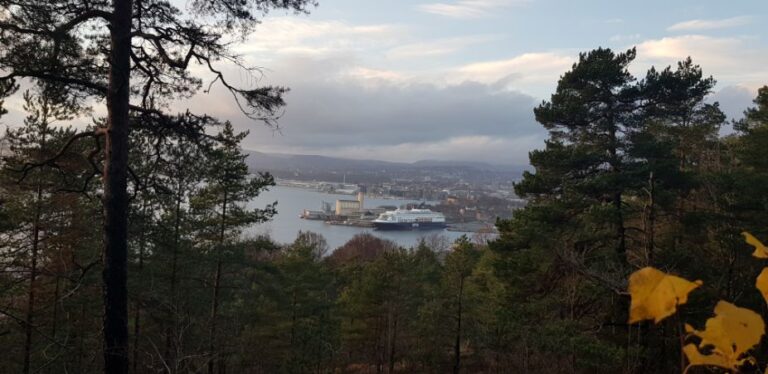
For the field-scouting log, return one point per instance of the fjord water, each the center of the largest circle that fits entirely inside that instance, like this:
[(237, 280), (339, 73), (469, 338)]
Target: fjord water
[(292, 201)]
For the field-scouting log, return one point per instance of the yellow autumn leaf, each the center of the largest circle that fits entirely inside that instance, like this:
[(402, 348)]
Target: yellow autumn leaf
[(761, 251), (727, 336), (695, 358), (762, 283), (656, 295)]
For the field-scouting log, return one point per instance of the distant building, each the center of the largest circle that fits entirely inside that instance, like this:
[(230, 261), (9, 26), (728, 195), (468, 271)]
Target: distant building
[(361, 199), (347, 207), (350, 207)]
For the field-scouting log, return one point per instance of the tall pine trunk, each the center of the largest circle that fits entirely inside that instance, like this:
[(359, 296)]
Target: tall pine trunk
[(115, 200)]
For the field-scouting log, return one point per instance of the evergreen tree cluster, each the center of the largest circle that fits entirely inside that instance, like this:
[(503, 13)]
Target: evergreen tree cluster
[(635, 173)]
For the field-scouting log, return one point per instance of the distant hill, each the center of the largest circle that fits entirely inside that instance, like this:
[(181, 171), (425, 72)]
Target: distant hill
[(466, 164), (329, 168), (282, 161)]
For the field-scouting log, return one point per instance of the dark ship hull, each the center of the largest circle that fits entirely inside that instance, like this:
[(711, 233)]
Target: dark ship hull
[(409, 225)]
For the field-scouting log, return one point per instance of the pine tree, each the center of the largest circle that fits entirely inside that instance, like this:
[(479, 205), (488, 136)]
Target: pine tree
[(44, 208), (221, 206), (133, 55), (754, 133), (589, 118), (459, 265), (623, 158)]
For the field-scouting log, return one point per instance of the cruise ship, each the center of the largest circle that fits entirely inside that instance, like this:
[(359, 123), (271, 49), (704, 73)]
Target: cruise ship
[(410, 219)]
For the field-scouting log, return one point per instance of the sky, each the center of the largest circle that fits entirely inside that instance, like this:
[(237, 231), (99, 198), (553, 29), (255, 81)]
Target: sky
[(407, 80)]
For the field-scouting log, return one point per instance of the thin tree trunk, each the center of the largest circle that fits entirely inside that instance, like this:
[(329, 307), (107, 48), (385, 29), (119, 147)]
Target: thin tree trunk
[(136, 337), (621, 248), (615, 162), (81, 340), (214, 316), (170, 331), (115, 200), (293, 319), (392, 342), (55, 317), (379, 345), (33, 275), (137, 317), (457, 345), (651, 220), (216, 286)]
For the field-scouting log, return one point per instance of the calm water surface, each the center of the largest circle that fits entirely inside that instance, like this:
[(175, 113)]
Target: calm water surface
[(292, 201)]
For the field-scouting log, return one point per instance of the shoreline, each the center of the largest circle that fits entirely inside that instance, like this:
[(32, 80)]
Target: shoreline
[(475, 227)]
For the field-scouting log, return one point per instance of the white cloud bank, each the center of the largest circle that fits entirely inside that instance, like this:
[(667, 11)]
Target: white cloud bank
[(731, 60), (435, 48), (710, 24), (355, 92), (303, 36), (465, 9)]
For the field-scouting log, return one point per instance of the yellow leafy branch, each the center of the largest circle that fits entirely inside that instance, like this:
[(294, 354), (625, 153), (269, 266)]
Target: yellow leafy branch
[(656, 295), (726, 337)]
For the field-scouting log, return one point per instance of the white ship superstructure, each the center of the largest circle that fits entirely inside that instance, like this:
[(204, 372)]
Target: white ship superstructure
[(410, 219)]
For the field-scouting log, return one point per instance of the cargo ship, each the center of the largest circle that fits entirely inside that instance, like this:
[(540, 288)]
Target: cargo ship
[(410, 219)]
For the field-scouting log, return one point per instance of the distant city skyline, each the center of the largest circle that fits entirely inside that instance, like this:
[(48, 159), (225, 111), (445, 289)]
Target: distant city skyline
[(406, 80)]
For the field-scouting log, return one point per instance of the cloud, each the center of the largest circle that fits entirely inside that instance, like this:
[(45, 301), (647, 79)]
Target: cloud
[(437, 47), (469, 8), (349, 98), (381, 53), (293, 35), (337, 107), (343, 104), (368, 76), (734, 100), (710, 24), (731, 60), (534, 73), (624, 38)]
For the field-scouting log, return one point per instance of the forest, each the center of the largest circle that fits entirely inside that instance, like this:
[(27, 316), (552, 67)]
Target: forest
[(122, 245)]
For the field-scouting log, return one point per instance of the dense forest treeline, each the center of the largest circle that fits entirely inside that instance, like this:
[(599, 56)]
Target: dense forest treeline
[(635, 172)]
